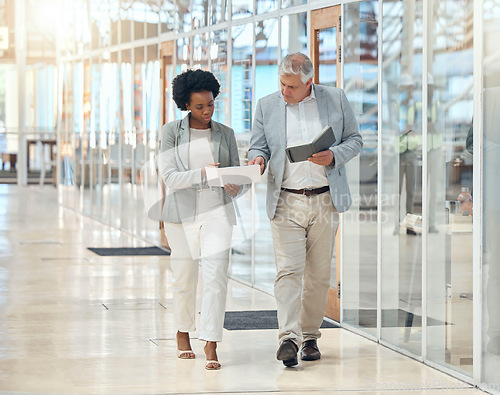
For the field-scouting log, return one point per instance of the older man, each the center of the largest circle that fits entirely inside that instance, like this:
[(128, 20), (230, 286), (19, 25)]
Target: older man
[(303, 198)]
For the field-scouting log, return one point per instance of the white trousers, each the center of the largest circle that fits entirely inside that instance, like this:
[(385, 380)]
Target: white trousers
[(207, 240), (303, 232)]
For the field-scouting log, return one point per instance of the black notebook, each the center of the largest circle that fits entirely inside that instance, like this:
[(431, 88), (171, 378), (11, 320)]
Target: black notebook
[(300, 152)]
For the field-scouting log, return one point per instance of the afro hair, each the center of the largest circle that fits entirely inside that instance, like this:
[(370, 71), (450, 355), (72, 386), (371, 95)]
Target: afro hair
[(193, 81)]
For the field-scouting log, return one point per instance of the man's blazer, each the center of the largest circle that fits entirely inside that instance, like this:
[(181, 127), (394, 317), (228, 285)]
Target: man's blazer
[(269, 141), (183, 183)]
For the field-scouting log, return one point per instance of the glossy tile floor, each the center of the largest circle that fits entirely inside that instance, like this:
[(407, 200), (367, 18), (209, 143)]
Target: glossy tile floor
[(73, 322)]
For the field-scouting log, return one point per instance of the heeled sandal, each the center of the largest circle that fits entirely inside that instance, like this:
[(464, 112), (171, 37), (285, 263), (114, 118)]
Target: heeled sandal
[(186, 354), (215, 365)]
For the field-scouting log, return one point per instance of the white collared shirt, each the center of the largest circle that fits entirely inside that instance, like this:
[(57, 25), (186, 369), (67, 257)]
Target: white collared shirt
[(302, 125)]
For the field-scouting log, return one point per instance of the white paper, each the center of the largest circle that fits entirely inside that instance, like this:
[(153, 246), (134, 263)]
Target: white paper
[(237, 175)]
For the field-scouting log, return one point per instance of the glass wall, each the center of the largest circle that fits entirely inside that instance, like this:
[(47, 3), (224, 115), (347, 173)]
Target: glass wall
[(294, 33), (118, 151), (93, 191), (242, 77), (199, 13), (360, 222), (266, 58), (183, 15), (490, 188), (217, 11), (167, 15), (266, 6), (200, 51), (241, 121), (449, 110), (71, 189), (87, 141), (291, 3), (218, 58), (401, 186), (242, 8), (111, 155), (266, 82), (147, 143)]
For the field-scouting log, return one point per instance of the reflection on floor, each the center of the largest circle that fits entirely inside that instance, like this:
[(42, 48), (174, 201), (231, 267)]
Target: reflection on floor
[(76, 322), (367, 318)]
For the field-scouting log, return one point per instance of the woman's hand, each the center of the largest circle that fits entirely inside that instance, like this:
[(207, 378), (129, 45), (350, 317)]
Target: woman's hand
[(232, 190), (204, 172)]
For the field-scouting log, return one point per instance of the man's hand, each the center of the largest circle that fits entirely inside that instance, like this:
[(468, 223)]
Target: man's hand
[(232, 189), (203, 170), (258, 161), (322, 158)]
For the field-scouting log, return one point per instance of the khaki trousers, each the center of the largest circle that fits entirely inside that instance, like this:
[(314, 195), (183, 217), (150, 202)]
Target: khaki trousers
[(303, 232)]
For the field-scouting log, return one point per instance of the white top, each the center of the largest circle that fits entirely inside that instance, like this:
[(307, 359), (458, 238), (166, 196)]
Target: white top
[(201, 154), (302, 125), (200, 148)]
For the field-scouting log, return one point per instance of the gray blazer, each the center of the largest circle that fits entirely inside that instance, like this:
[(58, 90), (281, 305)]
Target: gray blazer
[(269, 141), (182, 183)]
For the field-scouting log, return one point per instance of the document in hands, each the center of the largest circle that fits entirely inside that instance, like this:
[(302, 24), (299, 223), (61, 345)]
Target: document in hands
[(300, 152), (237, 175)]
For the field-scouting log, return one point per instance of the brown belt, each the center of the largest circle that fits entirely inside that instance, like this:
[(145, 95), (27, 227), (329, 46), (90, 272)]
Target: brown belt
[(308, 192)]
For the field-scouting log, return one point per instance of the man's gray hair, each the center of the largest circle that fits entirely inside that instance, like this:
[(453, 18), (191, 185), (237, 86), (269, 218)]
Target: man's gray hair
[(297, 63)]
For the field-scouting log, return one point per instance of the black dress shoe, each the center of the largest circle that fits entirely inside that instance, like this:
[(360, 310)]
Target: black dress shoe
[(287, 353), (310, 351)]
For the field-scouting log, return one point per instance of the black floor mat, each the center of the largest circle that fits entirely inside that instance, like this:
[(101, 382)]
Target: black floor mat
[(129, 251), (256, 319)]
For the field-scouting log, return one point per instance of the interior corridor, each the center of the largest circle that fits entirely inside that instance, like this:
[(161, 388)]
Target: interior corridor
[(74, 322)]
